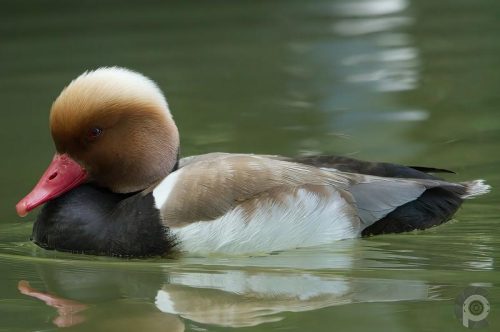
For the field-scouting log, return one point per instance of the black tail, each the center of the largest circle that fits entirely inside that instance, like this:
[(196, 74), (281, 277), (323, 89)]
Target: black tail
[(434, 207)]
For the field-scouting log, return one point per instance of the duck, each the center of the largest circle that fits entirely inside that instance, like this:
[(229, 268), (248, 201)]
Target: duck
[(117, 186)]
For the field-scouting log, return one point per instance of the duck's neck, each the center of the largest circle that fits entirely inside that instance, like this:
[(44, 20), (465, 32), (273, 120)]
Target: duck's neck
[(176, 165), (92, 220)]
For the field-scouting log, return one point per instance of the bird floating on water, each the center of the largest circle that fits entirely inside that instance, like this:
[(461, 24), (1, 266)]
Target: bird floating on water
[(116, 185)]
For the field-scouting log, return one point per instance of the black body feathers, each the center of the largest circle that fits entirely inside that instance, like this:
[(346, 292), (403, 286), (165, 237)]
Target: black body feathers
[(95, 221)]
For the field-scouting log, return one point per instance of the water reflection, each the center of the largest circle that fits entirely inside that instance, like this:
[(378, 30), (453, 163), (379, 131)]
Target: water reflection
[(238, 299), (68, 310), (255, 290), (355, 79), (370, 7), (392, 64)]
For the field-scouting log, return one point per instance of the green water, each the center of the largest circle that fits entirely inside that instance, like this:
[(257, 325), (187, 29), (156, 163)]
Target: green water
[(414, 82)]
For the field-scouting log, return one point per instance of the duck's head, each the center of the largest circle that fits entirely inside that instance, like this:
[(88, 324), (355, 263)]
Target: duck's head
[(110, 126)]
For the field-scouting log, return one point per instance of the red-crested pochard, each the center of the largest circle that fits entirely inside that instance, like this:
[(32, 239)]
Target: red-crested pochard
[(117, 187)]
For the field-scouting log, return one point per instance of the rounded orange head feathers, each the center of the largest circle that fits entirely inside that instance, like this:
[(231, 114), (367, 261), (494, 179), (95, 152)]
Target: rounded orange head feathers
[(115, 126)]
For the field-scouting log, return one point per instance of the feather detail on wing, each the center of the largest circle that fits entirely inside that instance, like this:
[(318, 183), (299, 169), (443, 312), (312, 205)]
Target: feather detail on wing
[(209, 186)]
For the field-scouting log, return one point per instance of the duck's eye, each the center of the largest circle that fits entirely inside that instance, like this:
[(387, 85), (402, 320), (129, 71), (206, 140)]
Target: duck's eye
[(94, 133)]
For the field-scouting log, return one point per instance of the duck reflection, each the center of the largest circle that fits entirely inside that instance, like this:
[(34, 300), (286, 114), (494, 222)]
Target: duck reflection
[(68, 310), (168, 296), (236, 299), (94, 298)]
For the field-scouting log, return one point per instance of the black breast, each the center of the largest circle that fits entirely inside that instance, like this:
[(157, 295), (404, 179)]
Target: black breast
[(93, 220)]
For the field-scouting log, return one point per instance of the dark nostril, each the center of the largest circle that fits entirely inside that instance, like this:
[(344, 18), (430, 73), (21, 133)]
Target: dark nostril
[(52, 176)]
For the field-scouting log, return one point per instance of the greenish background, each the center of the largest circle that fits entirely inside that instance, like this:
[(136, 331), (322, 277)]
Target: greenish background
[(413, 82)]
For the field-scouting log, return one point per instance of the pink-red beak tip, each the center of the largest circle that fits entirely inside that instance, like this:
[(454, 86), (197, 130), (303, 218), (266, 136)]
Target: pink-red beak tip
[(22, 209)]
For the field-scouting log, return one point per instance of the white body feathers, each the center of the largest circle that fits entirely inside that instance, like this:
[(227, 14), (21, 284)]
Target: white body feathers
[(303, 220)]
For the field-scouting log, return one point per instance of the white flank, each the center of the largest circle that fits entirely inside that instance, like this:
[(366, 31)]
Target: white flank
[(163, 190), (476, 188), (303, 220)]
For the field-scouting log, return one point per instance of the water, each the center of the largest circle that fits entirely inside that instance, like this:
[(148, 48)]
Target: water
[(412, 82)]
